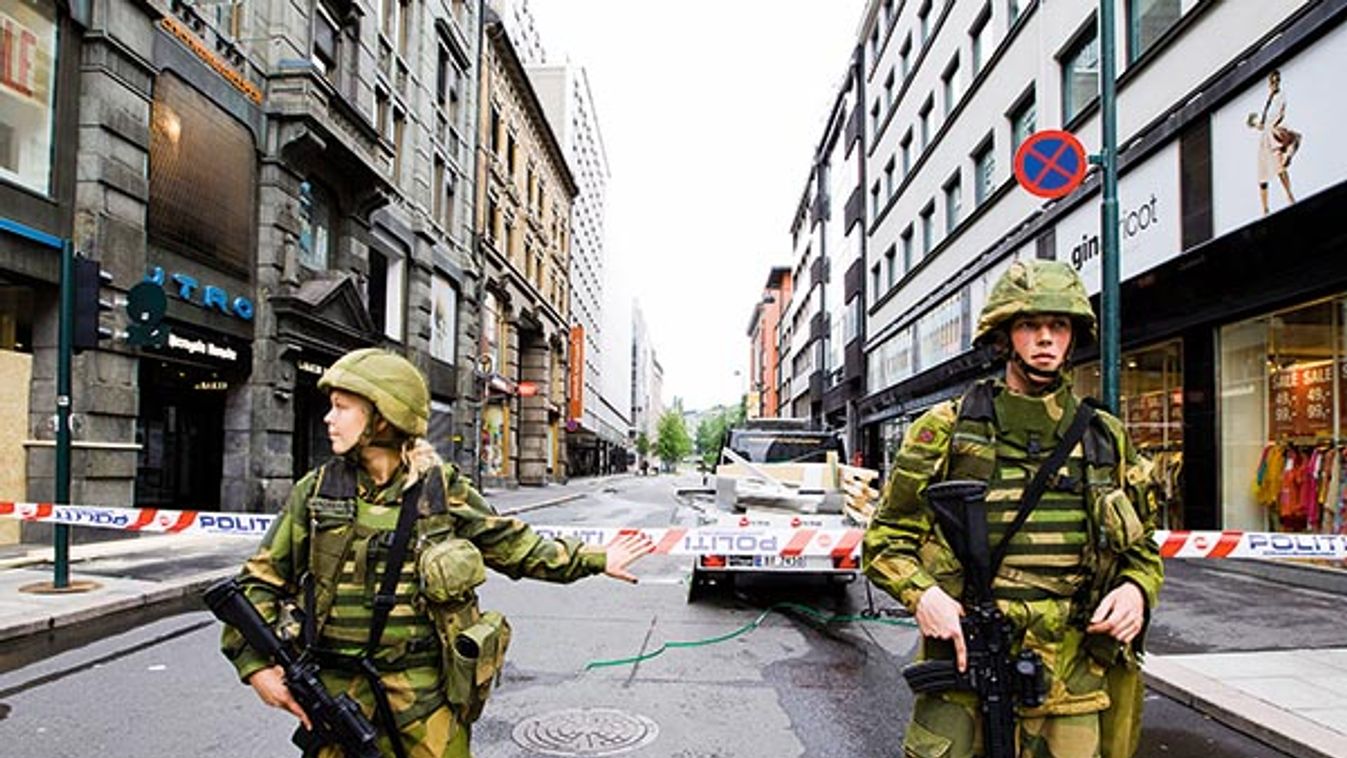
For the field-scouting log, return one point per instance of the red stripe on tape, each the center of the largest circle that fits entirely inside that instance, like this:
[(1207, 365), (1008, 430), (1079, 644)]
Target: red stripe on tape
[(798, 543), (671, 538), (1173, 543), (6, 507), (43, 511), (185, 520), (847, 544), (145, 518), (1228, 542)]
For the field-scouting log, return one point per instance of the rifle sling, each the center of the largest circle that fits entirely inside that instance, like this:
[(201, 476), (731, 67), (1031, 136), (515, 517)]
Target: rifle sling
[(384, 600), (1039, 484)]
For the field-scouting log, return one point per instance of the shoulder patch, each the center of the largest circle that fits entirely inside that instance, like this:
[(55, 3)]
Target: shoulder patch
[(925, 435)]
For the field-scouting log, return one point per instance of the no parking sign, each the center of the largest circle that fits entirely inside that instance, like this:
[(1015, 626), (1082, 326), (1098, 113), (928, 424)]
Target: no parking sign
[(1050, 163)]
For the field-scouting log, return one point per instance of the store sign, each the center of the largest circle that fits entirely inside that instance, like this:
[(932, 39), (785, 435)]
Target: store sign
[(1302, 400), (575, 374), (27, 68), (208, 56), (209, 297), (202, 347), (1148, 222), (1295, 115), (309, 367)]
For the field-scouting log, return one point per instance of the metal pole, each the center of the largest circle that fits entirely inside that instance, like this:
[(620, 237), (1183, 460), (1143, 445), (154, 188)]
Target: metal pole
[(64, 348), (1109, 348)]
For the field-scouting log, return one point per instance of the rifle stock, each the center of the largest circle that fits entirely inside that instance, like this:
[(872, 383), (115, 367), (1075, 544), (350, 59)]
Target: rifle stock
[(336, 720)]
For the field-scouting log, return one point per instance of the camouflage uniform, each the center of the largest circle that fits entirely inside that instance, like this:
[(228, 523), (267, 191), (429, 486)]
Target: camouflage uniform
[(1090, 532), (336, 529)]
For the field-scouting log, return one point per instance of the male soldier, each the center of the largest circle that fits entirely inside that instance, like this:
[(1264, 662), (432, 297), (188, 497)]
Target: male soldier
[(328, 550), (1078, 580)]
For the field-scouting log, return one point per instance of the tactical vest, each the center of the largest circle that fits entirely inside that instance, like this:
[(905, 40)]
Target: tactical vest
[(349, 541), (1057, 553)]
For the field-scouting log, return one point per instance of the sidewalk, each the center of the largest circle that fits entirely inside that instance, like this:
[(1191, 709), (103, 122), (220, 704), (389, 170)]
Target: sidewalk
[(1293, 699)]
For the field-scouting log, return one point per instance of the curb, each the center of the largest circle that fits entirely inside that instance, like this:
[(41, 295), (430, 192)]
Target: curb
[(543, 504), (178, 589), (1277, 728)]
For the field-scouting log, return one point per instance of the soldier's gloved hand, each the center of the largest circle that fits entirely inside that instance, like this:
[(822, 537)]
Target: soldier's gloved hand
[(938, 617), (269, 683), (623, 551), (1120, 614)]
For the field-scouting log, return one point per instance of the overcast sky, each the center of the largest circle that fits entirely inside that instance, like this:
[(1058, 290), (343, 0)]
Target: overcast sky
[(710, 112)]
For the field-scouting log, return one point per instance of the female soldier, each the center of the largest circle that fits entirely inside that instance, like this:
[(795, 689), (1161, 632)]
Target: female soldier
[(317, 571)]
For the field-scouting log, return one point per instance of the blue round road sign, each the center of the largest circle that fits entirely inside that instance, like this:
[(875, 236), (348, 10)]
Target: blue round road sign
[(1050, 163)]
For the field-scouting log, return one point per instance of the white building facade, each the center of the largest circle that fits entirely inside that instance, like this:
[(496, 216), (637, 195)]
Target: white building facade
[(1231, 347)]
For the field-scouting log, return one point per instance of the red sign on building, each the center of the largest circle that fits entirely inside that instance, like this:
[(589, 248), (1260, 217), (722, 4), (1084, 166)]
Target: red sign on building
[(575, 375)]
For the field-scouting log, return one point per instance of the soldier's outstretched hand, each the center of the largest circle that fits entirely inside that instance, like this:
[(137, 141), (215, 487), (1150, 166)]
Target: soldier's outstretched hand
[(938, 617), (623, 551), (1120, 614)]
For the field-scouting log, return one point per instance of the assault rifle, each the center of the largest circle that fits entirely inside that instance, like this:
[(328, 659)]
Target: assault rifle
[(336, 720), (999, 679)]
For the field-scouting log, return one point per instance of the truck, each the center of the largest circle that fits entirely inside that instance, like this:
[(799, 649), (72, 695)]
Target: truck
[(779, 474)]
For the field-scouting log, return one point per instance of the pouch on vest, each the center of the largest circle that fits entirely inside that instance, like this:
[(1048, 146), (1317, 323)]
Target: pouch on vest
[(477, 657), (450, 570), (1122, 527)]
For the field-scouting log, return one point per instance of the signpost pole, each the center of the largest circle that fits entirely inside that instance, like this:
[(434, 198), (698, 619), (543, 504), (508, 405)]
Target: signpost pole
[(1110, 310)]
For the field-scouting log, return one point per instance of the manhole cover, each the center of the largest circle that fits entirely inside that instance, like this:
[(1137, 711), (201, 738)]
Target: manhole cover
[(585, 731)]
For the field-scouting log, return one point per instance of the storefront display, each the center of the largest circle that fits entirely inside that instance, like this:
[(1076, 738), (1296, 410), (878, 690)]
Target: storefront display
[(495, 453), (27, 75), (1284, 419), (1151, 400)]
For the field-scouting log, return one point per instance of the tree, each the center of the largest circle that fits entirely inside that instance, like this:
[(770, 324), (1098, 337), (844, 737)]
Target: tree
[(673, 442), (711, 432), (642, 444)]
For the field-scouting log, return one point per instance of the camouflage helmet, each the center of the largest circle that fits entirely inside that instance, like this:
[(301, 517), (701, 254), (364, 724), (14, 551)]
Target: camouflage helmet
[(1033, 287), (386, 379)]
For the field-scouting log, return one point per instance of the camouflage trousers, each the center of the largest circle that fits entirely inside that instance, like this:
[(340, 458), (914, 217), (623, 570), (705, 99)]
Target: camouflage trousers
[(427, 726), (949, 725)]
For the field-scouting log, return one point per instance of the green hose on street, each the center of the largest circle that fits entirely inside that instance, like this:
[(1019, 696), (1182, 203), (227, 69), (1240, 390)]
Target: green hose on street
[(822, 617)]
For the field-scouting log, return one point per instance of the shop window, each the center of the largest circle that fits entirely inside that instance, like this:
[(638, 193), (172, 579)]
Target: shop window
[(27, 86), (315, 226), (16, 318), (1284, 414), (1147, 22), (1151, 406), (202, 178)]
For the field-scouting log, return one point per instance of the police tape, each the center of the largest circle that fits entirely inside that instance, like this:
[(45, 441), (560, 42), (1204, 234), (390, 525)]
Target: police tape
[(741, 537)]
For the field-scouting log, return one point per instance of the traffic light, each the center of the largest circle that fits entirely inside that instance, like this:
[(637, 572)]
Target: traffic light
[(88, 280), (146, 304)]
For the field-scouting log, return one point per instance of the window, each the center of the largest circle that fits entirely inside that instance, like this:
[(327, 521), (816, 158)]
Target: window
[(981, 35), (404, 29), (325, 40), (924, 22), (984, 166), (399, 128), (888, 13), (315, 219), (874, 200), (874, 118), (876, 280), (874, 45), (27, 75), (438, 188), (953, 203), (905, 149), (891, 263), (906, 240), (888, 91), (1014, 7), (927, 229), (905, 57), (443, 318), (889, 185), (1147, 21), (1021, 122), (511, 154), (925, 116), (952, 86), (1080, 73), (381, 112), (493, 137)]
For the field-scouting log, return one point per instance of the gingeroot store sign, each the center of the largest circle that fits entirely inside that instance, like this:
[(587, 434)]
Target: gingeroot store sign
[(1148, 222)]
